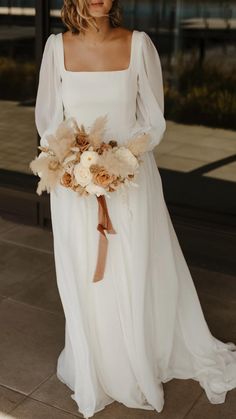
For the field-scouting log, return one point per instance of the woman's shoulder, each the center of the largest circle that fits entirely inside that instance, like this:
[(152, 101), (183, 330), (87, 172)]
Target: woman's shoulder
[(52, 48), (145, 40), (142, 35), (126, 35), (50, 41), (53, 37)]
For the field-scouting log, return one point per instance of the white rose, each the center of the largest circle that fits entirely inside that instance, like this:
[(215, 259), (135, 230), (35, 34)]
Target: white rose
[(89, 157), (95, 189), (82, 174), (123, 153)]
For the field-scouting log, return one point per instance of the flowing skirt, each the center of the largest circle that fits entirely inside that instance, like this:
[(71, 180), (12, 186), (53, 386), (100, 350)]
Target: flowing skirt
[(142, 324)]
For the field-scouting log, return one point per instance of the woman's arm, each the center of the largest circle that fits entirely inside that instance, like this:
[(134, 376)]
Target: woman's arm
[(150, 97), (48, 107)]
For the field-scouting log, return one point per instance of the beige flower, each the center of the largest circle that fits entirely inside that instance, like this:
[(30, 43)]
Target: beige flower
[(82, 174), (53, 164), (82, 140), (88, 158), (103, 177), (66, 180), (103, 147), (94, 168)]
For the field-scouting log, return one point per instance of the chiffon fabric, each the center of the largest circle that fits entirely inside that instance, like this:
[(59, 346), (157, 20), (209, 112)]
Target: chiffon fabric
[(142, 324)]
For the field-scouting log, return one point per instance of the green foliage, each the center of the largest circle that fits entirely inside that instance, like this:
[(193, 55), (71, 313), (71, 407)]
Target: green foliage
[(204, 95)]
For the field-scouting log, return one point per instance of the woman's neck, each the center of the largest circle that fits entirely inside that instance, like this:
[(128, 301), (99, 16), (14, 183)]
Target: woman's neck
[(96, 36)]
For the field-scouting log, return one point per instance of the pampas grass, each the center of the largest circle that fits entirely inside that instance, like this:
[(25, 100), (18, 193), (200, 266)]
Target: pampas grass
[(97, 130), (61, 148), (63, 140), (138, 145), (49, 176), (114, 165)]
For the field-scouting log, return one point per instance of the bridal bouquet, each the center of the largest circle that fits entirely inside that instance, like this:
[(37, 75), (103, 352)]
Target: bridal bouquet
[(82, 161)]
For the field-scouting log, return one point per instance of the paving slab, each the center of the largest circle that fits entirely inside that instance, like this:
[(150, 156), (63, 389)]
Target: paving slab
[(31, 409), (31, 340), (9, 399), (55, 393), (30, 236), (203, 409), (20, 266)]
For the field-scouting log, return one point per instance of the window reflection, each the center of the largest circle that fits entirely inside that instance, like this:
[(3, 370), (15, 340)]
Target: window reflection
[(17, 84), (196, 42)]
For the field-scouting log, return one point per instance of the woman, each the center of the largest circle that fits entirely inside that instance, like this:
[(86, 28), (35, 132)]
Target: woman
[(141, 325)]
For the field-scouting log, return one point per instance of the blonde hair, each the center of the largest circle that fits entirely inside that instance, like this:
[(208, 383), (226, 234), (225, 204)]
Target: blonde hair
[(75, 15)]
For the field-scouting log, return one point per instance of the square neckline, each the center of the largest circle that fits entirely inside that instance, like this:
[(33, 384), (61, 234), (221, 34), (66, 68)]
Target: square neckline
[(126, 70)]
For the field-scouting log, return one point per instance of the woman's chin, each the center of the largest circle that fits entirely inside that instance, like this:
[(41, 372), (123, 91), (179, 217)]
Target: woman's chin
[(97, 15), (97, 9)]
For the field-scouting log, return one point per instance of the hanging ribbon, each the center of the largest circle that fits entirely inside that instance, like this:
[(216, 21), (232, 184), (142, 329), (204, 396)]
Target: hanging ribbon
[(104, 223)]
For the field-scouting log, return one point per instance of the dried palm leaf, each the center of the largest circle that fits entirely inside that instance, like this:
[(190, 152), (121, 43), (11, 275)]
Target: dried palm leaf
[(68, 127), (63, 139), (49, 170), (61, 145), (139, 144), (97, 130), (114, 165)]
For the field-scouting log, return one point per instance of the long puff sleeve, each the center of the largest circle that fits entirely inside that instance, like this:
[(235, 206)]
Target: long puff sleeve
[(49, 106), (150, 96)]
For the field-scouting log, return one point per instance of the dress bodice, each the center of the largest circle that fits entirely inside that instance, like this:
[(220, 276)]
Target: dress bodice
[(132, 99), (89, 94)]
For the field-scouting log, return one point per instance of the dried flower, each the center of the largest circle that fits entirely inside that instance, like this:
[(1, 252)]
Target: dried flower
[(82, 139), (53, 164), (113, 143), (103, 177), (66, 180), (94, 168), (88, 158), (103, 147), (82, 174)]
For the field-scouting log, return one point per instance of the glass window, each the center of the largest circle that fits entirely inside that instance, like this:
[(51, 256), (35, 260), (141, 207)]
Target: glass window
[(17, 84), (196, 42)]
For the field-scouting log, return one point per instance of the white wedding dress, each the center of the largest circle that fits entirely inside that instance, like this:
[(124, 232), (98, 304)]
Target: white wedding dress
[(142, 324)]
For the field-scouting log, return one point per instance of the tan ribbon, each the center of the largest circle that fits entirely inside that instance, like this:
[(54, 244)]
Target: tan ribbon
[(104, 223)]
